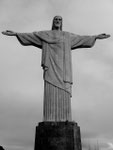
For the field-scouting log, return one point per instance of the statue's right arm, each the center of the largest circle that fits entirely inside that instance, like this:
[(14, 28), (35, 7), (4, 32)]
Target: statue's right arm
[(9, 33), (25, 39)]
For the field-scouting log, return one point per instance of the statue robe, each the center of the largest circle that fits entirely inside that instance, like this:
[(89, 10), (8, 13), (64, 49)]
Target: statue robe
[(56, 62)]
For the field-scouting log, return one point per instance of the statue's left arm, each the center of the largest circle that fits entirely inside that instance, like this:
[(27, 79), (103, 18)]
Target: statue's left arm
[(78, 41)]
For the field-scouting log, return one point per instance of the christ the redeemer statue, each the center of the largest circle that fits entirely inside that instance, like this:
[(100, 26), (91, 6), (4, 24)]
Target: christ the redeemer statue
[(56, 48)]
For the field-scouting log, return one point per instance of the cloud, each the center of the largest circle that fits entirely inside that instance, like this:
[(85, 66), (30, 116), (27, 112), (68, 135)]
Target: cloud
[(99, 70), (110, 145)]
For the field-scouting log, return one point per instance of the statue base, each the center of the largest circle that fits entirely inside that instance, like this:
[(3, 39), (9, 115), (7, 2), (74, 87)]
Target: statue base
[(58, 136)]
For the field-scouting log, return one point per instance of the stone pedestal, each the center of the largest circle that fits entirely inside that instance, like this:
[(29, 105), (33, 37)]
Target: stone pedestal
[(58, 136)]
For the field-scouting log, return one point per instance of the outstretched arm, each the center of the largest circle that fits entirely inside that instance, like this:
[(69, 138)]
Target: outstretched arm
[(78, 41), (25, 39)]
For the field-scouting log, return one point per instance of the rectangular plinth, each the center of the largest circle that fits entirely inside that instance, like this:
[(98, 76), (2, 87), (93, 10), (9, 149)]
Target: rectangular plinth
[(58, 136)]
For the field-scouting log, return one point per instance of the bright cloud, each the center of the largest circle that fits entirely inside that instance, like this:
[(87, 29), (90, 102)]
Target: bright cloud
[(110, 145)]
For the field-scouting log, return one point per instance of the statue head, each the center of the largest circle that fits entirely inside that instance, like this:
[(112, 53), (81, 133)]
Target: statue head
[(57, 23)]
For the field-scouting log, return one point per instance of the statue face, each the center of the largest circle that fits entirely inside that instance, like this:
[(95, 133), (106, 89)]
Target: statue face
[(57, 22)]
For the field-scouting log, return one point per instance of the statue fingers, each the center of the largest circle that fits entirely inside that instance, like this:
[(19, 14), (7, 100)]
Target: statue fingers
[(4, 32), (107, 35), (8, 32)]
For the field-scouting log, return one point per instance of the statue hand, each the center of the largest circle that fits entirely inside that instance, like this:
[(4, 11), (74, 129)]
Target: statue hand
[(103, 36), (9, 33)]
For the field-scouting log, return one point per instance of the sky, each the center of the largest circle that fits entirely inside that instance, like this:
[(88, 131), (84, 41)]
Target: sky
[(21, 81)]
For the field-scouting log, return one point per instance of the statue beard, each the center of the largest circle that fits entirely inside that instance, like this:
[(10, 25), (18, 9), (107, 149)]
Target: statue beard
[(53, 27)]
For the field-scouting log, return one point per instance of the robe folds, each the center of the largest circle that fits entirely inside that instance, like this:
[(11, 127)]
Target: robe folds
[(56, 53), (56, 62)]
